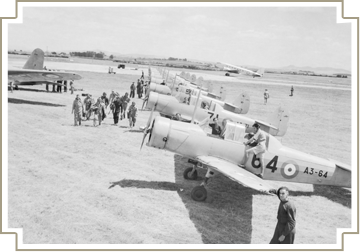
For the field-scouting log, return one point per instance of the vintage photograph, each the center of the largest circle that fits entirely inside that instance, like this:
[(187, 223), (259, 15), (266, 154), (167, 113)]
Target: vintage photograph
[(180, 124)]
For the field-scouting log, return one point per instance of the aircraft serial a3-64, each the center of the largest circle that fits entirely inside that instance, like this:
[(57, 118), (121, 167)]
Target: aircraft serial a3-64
[(223, 156), (33, 72)]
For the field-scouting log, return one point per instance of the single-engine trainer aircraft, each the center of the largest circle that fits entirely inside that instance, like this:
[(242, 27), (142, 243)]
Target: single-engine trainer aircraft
[(223, 156), (189, 95), (33, 72), (276, 124), (241, 70)]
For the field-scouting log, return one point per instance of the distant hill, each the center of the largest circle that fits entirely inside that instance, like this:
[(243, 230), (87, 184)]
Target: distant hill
[(323, 70)]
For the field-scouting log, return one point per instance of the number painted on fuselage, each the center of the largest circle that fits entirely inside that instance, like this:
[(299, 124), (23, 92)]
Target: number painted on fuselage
[(311, 171)]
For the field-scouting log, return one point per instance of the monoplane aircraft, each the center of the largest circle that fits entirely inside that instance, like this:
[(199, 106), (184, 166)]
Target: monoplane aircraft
[(223, 156), (241, 70), (33, 72), (168, 106)]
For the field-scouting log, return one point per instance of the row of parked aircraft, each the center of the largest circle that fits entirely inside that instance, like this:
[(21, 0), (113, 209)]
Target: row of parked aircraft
[(224, 154)]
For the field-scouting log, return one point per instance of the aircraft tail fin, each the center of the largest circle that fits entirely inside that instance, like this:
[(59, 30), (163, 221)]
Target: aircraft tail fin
[(279, 120), (222, 93), (36, 60), (241, 104), (261, 71)]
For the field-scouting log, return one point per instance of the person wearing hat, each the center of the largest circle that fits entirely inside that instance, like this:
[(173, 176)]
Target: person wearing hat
[(258, 150), (285, 227), (105, 101), (132, 114), (266, 96), (78, 109), (112, 97), (88, 102), (132, 90), (124, 103), (97, 108), (116, 108)]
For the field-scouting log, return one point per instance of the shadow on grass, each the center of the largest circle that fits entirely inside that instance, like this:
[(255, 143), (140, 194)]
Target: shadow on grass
[(20, 101), (334, 193), (225, 216), (168, 186)]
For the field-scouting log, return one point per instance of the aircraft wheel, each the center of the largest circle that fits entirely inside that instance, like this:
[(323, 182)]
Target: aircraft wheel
[(188, 175), (199, 193)]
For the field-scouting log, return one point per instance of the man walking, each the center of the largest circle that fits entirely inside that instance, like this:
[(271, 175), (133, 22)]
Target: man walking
[(285, 227), (132, 114), (116, 108), (77, 108)]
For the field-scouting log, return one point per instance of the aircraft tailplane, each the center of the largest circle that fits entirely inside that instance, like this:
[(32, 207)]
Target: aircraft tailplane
[(279, 119), (36, 60)]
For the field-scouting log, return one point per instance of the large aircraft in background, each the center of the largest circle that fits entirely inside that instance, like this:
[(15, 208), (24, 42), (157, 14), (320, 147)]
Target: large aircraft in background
[(33, 72), (241, 70), (219, 155)]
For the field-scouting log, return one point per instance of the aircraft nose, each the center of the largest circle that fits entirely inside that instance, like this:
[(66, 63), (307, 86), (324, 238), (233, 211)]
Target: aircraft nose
[(152, 100), (159, 133)]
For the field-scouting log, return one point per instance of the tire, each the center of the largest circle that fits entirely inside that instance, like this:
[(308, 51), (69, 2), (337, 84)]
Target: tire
[(199, 193), (187, 174)]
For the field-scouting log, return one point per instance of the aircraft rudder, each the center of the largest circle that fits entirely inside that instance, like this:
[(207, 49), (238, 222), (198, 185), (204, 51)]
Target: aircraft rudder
[(36, 60), (280, 119)]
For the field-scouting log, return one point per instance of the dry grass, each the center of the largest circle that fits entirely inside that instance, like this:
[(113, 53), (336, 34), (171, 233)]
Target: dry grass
[(59, 190)]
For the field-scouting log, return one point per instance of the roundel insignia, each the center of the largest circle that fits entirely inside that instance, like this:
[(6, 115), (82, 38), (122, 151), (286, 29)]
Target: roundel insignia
[(289, 169)]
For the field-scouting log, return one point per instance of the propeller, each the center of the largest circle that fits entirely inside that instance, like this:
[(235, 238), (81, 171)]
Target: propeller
[(147, 128)]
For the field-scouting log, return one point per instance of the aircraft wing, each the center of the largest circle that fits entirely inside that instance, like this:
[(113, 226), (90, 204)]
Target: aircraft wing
[(240, 69), (27, 75), (236, 173)]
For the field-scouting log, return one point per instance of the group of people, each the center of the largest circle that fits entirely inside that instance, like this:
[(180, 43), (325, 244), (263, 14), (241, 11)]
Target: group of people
[(118, 106), (141, 88)]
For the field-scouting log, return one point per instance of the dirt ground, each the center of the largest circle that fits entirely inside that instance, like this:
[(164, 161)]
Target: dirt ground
[(59, 176)]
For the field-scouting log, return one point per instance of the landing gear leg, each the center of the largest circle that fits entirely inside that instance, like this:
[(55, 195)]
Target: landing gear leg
[(199, 193), (190, 173)]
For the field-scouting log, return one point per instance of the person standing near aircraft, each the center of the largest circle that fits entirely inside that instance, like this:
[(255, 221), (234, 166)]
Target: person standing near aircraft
[(138, 89), (72, 87), (142, 75), (78, 108), (11, 86), (266, 96), (132, 90), (258, 150), (285, 227), (291, 91), (132, 114)]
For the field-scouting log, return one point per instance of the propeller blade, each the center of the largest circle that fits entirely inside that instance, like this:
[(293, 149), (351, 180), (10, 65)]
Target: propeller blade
[(143, 140), (147, 128)]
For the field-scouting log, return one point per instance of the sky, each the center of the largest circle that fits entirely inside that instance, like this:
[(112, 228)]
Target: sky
[(267, 37)]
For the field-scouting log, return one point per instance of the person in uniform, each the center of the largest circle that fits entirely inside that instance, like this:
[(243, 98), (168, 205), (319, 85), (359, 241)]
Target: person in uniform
[(116, 108), (285, 227), (78, 109), (266, 96), (124, 103), (132, 114), (105, 101), (291, 91), (258, 150), (112, 97), (97, 109), (215, 127), (132, 90)]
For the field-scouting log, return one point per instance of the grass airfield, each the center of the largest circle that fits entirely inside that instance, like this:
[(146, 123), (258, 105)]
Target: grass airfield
[(92, 185)]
